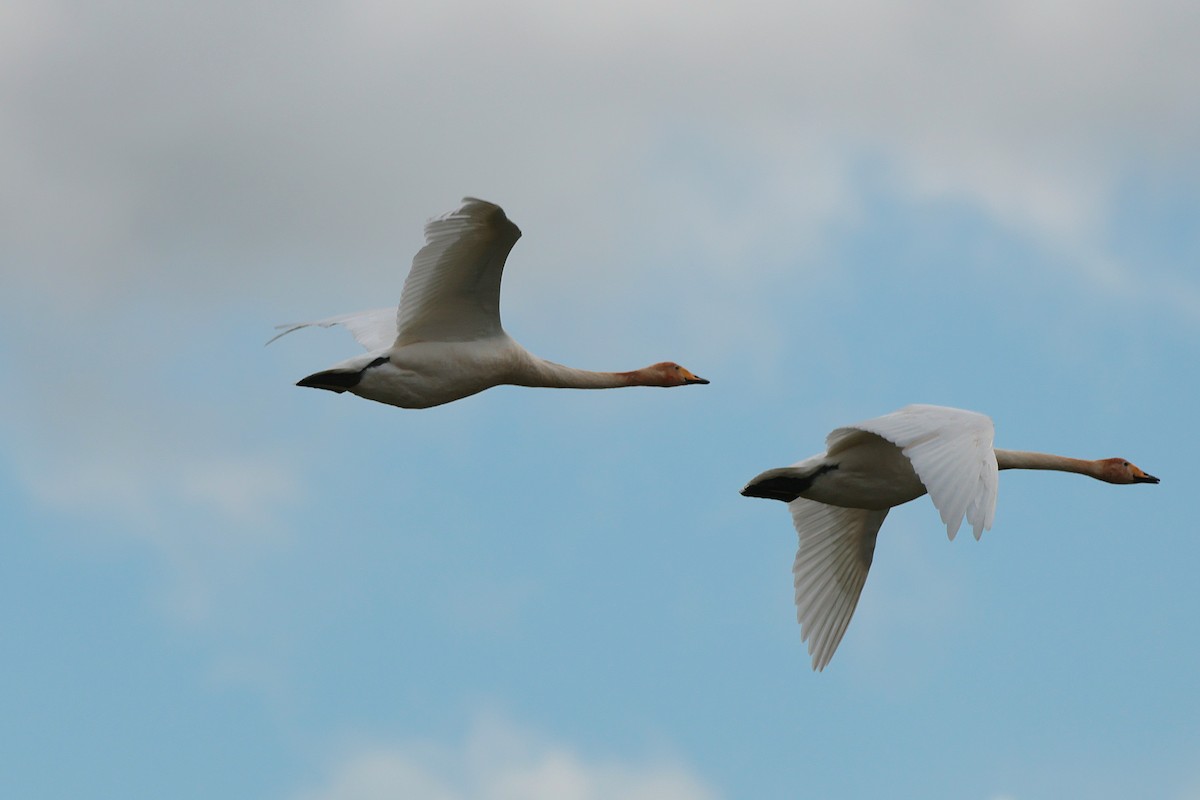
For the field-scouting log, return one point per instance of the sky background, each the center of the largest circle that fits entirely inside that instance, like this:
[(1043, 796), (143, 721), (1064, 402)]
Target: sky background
[(219, 585)]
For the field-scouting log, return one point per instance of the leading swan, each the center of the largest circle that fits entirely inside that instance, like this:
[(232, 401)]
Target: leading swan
[(445, 342)]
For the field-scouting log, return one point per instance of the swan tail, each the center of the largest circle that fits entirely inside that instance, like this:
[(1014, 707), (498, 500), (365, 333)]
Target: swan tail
[(338, 380), (784, 483), (333, 380)]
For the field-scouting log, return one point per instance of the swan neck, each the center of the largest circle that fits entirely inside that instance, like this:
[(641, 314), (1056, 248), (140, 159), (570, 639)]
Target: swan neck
[(550, 375), (1022, 459)]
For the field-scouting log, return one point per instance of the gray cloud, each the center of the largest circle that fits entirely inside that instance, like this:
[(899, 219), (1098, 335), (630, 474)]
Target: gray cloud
[(267, 141), (665, 160)]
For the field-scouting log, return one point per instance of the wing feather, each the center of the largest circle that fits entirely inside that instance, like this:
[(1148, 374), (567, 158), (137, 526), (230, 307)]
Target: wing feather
[(374, 329), (452, 292), (952, 453), (836, 548)]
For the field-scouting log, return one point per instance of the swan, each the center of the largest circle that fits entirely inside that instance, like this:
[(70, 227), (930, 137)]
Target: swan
[(445, 341), (839, 499)]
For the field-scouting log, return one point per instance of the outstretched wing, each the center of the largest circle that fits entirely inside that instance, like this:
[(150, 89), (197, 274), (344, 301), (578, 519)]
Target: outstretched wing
[(452, 292), (951, 451), (374, 329), (836, 547)]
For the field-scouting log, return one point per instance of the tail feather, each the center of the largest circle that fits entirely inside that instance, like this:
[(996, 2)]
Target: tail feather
[(776, 487), (333, 380), (339, 380), (785, 483)]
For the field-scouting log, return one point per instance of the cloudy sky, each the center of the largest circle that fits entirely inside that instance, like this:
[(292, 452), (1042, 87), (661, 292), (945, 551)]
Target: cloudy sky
[(220, 585)]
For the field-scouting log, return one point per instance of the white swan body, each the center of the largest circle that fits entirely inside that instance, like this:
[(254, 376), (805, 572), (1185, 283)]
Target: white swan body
[(428, 374), (445, 341), (840, 498)]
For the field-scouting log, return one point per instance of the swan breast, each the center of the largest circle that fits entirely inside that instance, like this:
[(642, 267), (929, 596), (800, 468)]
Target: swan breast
[(426, 374)]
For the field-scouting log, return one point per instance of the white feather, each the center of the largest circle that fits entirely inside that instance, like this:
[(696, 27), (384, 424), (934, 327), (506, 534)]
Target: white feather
[(836, 547), (951, 451), (452, 293), (374, 329)]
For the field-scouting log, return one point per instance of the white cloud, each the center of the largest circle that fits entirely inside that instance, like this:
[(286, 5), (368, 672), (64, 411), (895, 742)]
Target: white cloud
[(161, 472), (324, 138), (146, 488), (207, 516), (667, 162), (671, 164), (500, 762), (113, 432)]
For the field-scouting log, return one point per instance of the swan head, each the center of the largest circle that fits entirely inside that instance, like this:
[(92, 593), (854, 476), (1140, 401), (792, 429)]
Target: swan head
[(668, 373), (1118, 470)]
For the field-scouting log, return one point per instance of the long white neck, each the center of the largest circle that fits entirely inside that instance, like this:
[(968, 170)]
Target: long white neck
[(1022, 459), (539, 372)]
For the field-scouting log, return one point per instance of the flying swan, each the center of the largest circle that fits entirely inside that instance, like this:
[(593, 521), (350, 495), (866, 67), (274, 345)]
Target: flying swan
[(445, 342), (839, 499)]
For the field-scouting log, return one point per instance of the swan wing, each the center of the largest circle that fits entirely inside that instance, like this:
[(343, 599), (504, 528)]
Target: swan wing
[(452, 293), (374, 329), (952, 453), (836, 547)]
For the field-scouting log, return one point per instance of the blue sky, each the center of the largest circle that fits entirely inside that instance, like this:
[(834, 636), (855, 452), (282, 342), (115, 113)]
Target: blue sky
[(221, 585)]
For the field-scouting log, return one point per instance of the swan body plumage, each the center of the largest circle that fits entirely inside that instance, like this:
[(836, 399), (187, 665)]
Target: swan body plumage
[(840, 498), (445, 341)]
